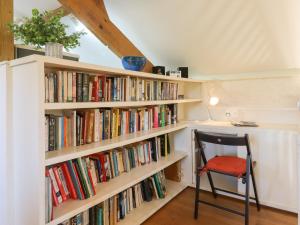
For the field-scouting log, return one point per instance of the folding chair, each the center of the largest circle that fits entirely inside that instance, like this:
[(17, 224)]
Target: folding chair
[(227, 165)]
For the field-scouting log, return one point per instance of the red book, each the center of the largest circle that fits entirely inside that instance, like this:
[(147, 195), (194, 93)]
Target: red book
[(77, 178), (103, 161), (95, 90), (101, 158), (155, 119), (69, 181), (127, 122), (54, 198), (59, 184)]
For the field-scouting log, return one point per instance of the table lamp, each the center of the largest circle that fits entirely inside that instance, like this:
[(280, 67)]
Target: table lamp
[(213, 101)]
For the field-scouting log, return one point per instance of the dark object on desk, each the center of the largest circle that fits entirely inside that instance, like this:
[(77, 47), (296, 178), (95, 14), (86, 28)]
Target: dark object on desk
[(226, 165), (180, 96), (158, 70), (184, 71), (244, 124)]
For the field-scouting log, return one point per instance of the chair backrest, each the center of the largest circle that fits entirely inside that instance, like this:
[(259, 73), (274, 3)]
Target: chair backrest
[(222, 139)]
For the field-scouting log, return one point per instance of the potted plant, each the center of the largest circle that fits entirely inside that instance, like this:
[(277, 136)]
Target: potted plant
[(46, 29)]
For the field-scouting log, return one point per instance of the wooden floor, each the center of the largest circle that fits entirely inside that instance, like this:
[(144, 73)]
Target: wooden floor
[(180, 212)]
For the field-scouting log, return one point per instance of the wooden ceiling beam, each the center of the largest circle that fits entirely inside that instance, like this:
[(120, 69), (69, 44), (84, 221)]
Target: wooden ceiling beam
[(6, 37), (93, 14), (62, 9)]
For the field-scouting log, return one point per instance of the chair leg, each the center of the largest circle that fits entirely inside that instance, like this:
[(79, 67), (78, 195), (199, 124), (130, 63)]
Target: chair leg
[(254, 188), (197, 195), (211, 184), (247, 191)]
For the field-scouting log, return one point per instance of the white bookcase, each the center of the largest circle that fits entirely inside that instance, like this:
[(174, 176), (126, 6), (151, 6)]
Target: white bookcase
[(27, 159)]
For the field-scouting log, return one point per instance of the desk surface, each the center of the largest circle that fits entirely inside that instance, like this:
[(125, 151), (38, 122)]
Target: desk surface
[(261, 126)]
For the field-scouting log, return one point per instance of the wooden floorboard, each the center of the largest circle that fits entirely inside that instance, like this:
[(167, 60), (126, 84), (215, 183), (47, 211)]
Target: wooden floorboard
[(180, 212)]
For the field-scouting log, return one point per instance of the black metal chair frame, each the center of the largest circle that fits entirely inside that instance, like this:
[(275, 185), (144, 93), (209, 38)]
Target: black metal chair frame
[(230, 140)]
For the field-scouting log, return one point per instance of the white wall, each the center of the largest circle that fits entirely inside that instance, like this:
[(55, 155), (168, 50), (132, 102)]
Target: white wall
[(270, 100)]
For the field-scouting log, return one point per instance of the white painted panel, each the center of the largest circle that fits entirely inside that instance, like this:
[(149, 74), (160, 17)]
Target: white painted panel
[(5, 166), (28, 144)]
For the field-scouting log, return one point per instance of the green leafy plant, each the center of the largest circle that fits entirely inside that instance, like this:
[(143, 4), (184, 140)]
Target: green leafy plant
[(44, 27)]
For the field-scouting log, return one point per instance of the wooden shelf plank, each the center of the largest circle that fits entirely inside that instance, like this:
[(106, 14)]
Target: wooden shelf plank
[(55, 63), (87, 105), (147, 209), (106, 190), (65, 154)]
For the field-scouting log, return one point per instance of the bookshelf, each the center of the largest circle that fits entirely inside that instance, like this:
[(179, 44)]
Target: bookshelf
[(106, 190), (87, 105), (144, 212), (28, 159), (58, 156)]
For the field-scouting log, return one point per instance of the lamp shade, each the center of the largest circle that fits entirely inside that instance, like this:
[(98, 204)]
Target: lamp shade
[(213, 100)]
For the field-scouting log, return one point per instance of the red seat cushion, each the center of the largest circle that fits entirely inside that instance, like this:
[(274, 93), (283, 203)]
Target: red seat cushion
[(232, 165)]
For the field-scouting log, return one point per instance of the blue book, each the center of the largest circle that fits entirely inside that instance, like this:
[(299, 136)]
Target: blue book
[(99, 215), (115, 163)]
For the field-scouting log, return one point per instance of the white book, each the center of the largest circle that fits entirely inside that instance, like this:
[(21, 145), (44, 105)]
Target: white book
[(46, 88), (137, 202), (65, 86), (97, 125), (90, 90), (92, 167), (51, 87), (101, 126), (146, 120), (130, 199), (63, 180), (55, 185), (85, 218)]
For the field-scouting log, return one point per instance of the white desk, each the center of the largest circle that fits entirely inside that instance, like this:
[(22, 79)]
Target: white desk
[(274, 147)]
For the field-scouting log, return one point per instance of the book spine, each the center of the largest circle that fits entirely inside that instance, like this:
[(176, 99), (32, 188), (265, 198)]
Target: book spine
[(56, 191), (79, 87), (85, 87), (65, 86), (70, 87), (69, 182), (74, 87), (59, 184)]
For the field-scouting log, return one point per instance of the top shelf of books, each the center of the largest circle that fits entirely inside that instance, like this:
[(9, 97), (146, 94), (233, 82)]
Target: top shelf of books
[(55, 63)]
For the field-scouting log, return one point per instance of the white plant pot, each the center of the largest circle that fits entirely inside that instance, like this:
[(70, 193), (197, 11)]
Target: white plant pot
[(54, 50)]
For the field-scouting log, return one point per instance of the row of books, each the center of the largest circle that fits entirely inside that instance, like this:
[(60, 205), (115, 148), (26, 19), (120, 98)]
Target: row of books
[(68, 86), (77, 179), (74, 128), (117, 207)]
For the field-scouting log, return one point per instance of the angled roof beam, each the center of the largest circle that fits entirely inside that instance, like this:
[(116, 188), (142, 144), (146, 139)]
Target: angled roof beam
[(93, 14)]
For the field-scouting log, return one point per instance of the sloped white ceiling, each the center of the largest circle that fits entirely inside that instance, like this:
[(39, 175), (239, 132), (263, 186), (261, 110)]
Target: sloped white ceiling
[(209, 36)]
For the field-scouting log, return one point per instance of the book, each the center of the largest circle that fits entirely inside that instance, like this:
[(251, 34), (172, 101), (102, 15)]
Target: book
[(69, 181), (56, 195)]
